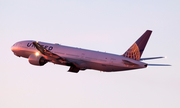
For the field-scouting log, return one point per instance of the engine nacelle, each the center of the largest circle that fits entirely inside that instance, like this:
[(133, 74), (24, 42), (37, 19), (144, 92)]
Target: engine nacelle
[(37, 60)]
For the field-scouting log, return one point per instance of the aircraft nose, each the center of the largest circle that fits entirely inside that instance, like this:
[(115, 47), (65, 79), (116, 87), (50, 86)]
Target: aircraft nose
[(14, 49)]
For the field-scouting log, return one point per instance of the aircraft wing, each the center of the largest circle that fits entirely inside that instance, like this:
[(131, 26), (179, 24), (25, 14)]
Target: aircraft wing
[(56, 58), (46, 52)]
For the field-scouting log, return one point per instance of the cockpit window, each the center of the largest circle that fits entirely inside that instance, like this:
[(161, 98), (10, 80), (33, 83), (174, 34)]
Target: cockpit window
[(14, 44)]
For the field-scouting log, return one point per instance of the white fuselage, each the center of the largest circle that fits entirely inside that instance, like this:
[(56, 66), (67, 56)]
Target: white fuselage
[(85, 59)]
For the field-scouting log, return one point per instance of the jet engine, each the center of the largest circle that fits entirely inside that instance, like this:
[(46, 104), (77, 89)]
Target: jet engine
[(37, 60)]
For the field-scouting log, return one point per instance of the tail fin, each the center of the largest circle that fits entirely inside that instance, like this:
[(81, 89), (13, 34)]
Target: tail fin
[(136, 50)]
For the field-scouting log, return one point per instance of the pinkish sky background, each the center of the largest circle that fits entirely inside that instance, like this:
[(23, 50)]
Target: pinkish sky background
[(103, 25)]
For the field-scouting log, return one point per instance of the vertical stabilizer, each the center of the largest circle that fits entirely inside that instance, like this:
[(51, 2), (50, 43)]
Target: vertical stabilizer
[(136, 50)]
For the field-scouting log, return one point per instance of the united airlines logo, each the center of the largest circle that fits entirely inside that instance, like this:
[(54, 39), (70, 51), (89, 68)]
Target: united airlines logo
[(133, 52), (45, 46)]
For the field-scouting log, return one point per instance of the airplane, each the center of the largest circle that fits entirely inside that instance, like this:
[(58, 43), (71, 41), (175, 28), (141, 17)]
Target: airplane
[(40, 53)]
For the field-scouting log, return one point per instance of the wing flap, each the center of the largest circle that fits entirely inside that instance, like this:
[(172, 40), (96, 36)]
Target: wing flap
[(74, 69)]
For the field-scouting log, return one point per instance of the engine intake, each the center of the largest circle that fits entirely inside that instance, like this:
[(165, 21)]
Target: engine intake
[(37, 60)]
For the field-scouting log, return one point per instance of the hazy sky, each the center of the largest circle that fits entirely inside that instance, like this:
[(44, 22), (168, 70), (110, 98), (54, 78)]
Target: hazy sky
[(103, 25)]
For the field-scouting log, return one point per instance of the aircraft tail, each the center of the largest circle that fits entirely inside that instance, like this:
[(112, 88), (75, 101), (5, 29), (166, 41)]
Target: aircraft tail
[(136, 50)]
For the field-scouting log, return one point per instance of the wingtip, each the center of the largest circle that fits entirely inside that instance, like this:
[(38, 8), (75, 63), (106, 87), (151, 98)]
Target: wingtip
[(149, 30), (35, 42)]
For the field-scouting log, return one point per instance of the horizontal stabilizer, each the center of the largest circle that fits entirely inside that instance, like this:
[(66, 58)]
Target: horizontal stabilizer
[(150, 58), (159, 65)]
